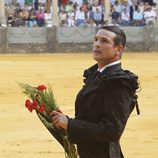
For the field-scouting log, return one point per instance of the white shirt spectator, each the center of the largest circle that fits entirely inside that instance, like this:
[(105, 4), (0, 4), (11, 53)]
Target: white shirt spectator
[(70, 18), (137, 15), (48, 19), (97, 15), (117, 8), (80, 15), (150, 16), (125, 16)]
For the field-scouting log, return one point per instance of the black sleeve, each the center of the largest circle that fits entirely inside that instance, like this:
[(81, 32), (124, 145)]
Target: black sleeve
[(117, 109)]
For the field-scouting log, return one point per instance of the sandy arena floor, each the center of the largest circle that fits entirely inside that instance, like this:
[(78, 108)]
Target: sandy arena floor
[(22, 135)]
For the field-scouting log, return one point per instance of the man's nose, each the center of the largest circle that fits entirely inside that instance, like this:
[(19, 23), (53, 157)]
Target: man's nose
[(97, 44)]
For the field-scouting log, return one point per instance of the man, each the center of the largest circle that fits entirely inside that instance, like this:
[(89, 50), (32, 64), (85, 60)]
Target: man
[(97, 17), (150, 16), (105, 102)]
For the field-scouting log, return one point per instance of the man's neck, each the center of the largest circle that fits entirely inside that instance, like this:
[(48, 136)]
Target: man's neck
[(108, 65)]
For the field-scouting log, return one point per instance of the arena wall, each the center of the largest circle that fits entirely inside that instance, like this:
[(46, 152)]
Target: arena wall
[(64, 39)]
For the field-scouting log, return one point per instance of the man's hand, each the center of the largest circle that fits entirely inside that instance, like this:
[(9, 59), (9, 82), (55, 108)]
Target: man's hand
[(59, 120)]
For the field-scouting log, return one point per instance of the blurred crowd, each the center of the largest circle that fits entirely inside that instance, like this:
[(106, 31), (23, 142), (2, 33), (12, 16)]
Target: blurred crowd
[(82, 13)]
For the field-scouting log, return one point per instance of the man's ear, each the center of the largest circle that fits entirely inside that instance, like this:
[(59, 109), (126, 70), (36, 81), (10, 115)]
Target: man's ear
[(119, 50)]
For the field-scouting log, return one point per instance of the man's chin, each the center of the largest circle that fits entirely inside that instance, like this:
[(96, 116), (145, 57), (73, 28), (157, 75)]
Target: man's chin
[(96, 57)]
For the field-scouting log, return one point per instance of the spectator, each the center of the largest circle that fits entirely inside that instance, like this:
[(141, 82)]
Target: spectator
[(150, 16), (48, 18), (133, 7), (125, 18), (63, 18), (24, 15), (32, 22), (138, 17), (117, 8), (97, 17), (71, 18), (115, 16), (40, 18), (17, 20), (10, 19), (69, 7), (80, 17)]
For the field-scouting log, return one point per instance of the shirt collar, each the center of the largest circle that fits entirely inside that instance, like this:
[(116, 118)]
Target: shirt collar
[(111, 64)]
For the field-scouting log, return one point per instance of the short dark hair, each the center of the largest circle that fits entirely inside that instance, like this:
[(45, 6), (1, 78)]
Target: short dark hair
[(120, 35)]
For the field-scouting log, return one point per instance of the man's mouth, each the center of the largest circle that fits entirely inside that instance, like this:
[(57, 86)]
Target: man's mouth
[(96, 52)]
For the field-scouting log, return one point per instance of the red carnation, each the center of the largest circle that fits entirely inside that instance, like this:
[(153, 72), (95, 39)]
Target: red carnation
[(34, 104), (41, 87), (42, 108), (30, 108), (28, 103)]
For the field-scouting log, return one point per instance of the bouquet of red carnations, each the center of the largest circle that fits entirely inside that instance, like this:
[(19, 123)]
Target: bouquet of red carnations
[(41, 99)]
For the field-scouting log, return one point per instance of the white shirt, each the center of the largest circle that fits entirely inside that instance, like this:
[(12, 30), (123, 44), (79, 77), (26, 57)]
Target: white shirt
[(111, 64), (80, 15), (125, 16), (149, 14)]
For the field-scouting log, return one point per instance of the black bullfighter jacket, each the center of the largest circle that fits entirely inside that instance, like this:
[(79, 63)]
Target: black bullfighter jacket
[(102, 109)]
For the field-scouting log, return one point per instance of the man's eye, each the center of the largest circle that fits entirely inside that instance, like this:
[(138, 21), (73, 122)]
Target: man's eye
[(103, 40), (95, 39)]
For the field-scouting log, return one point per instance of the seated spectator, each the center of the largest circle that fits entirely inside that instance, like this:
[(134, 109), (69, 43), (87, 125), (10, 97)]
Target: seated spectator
[(40, 18), (24, 15), (125, 18), (150, 16), (63, 18), (10, 19), (133, 7), (32, 20), (18, 21), (71, 18), (80, 17), (117, 8), (91, 23), (97, 17), (69, 7), (48, 18), (115, 16), (138, 17)]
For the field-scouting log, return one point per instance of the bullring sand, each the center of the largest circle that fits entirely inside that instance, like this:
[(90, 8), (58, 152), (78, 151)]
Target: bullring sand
[(22, 135)]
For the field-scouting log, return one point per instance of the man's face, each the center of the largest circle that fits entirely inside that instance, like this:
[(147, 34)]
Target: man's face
[(104, 51)]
